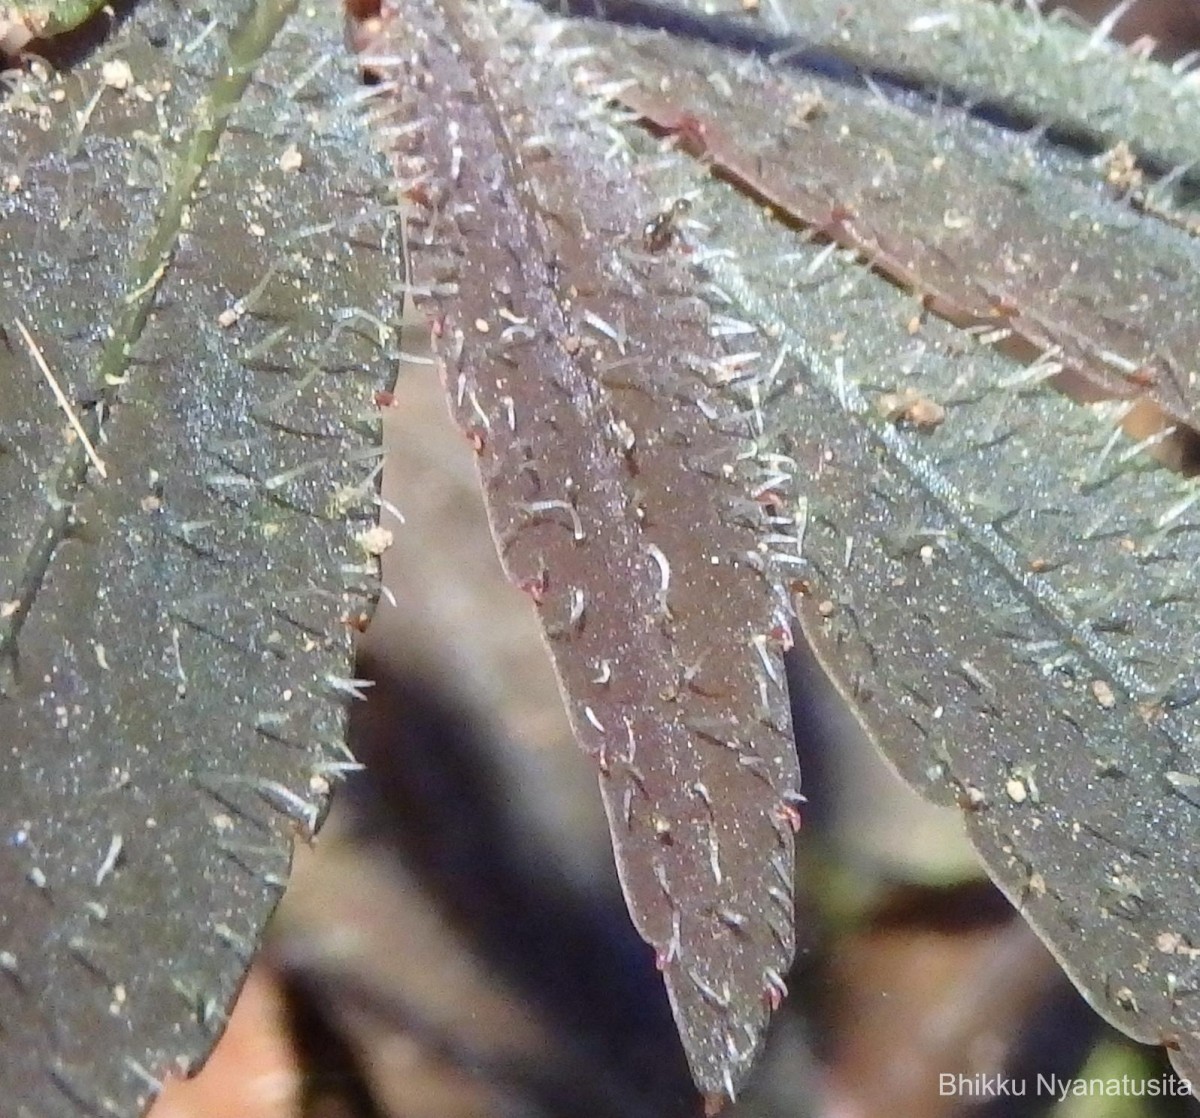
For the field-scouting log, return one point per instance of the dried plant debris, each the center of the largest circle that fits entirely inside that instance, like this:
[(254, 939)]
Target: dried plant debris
[(182, 491), (613, 411), (1008, 599)]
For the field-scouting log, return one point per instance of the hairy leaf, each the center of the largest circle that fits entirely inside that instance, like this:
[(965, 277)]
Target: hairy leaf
[(1051, 300), (974, 362), (1001, 582), (1013, 64), (192, 266), (589, 369)]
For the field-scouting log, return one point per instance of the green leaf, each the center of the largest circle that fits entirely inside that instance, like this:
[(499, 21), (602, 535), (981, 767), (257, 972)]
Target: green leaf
[(1007, 597), (199, 261)]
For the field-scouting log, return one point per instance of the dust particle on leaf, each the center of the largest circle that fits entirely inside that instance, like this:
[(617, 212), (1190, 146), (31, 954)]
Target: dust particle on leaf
[(116, 74), (291, 159), (912, 408), (375, 541), (1120, 167), (808, 105)]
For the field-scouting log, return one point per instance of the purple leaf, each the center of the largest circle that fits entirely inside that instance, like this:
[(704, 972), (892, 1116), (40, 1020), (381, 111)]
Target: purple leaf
[(615, 433)]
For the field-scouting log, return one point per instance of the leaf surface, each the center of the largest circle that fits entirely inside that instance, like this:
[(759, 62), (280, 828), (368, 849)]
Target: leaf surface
[(1006, 60), (197, 257), (588, 367), (1005, 595), (1000, 579)]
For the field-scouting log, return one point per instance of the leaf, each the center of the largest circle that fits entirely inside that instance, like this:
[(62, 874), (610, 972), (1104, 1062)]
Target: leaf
[(196, 259), (1006, 60), (1007, 597), (1036, 300), (1005, 593), (613, 440)]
